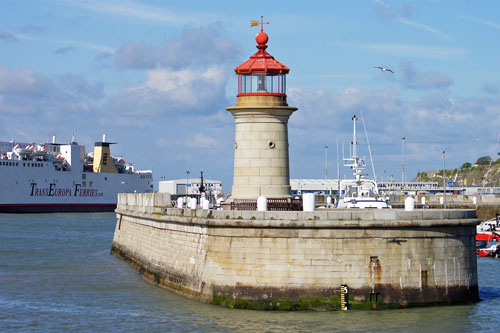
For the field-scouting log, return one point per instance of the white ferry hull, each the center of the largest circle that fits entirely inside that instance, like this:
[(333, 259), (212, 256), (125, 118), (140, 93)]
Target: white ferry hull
[(37, 186), (42, 189)]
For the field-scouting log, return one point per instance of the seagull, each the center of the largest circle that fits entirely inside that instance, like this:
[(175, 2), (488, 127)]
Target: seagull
[(383, 69)]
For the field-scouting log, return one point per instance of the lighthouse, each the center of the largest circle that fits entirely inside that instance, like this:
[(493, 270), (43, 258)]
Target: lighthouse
[(261, 113)]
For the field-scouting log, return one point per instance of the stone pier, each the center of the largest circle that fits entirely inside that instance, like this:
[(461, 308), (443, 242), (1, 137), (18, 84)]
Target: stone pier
[(298, 260)]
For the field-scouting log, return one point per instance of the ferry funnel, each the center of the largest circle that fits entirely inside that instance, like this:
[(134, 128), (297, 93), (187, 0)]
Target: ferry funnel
[(103, 162)]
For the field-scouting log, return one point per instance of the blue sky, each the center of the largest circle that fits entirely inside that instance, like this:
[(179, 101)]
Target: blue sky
[(156, 77)]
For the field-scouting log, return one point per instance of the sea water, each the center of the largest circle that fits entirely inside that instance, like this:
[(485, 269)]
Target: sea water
[(57, 274)]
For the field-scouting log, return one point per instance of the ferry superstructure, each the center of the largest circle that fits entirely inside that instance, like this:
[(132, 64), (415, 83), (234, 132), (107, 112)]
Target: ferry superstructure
[(52, 177)]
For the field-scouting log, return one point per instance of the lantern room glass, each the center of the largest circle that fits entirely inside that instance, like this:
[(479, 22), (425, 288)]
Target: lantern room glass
[(262, 83)]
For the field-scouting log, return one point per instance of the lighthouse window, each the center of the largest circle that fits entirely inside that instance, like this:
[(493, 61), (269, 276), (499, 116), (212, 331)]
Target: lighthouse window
[(261, 82)]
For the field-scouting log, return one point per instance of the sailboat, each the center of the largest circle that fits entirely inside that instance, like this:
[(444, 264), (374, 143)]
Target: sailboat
[(359, 192)]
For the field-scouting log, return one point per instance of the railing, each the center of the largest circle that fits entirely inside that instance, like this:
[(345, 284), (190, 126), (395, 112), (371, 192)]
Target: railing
[(273, 204), (244, 204)]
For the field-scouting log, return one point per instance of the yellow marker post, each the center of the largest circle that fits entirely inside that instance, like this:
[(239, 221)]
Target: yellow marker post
[(344, 297)]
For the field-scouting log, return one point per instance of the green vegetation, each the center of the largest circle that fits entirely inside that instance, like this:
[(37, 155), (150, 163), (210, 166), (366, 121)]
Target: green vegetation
[(484, 160), (317, 303), (467, 174)]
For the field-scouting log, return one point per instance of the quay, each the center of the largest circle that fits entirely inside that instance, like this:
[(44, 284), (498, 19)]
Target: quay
[(298, 260)]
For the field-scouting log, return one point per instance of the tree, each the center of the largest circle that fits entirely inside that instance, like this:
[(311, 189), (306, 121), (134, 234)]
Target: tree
[(466, 165), (485, 160)]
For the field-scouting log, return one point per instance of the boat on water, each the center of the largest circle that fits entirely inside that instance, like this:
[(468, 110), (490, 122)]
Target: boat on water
[(359, 192), (488, 238), (52, 177)]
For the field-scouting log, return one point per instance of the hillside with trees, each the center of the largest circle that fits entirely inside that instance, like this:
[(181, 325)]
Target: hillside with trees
[(469, 174)]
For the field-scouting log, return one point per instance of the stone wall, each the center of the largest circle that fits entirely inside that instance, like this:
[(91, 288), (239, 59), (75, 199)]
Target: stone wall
[(252, 259)]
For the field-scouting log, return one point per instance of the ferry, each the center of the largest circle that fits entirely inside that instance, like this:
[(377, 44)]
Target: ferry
[(52, 177)]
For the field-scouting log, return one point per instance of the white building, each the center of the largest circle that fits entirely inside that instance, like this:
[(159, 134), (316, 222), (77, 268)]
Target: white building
[(188, 186), (323, 186), (331, 186)]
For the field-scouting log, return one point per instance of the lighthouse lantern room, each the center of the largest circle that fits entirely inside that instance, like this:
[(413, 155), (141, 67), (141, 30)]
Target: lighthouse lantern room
[(262, 74)]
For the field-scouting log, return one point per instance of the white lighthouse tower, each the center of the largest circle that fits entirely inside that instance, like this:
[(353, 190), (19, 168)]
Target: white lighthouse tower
[(261, 113)]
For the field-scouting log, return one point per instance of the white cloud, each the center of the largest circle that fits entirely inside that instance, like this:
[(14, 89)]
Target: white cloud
[(408, 76), (387, 12), (412, 50), (201, 140), (173, 93), (433, 121), (7, 36), (195, 47), (129, 9), (65, 42), (487, 23)]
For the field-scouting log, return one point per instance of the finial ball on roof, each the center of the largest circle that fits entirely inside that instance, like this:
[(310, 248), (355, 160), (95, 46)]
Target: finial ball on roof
[(261, 38)]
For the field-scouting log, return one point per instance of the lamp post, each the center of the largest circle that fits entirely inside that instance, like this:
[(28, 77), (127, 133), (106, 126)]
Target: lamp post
[(326, 162), (444, 177), (187, 180), (403, 165)]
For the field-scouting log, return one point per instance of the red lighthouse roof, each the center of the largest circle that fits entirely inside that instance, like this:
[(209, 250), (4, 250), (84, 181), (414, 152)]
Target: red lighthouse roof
[(262, 62)]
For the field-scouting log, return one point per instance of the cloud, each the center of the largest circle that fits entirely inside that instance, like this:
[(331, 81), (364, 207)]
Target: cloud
[(411, 50), (23, 82), (201, 140), (129, 9), (30, 28), (409, 77), (431, 122), (26, 93), (170, 92), (75, 43), (487, 23), (490, 88), (7, 36), (64, 50), (79, 86), (385, 11), (196, 46)]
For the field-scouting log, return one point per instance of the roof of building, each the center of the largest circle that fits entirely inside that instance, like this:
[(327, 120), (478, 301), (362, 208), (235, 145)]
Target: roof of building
[(262, 62)]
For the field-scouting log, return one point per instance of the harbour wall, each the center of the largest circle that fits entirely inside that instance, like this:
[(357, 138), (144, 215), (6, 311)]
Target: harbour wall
[(299, 260)]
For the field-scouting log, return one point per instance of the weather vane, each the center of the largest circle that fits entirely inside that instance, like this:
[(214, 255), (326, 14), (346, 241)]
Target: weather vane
[(256, 23)]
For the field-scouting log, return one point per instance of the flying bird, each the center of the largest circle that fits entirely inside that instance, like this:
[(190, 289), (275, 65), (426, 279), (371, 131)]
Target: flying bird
[(383, 69)]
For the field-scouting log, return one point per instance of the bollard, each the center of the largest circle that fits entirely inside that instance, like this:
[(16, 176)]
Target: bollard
[(474, 200), (261, 204), (423, 201), (308, 202), (193, 203), (205, 204), (328, 202), (409, 204), (180, 202), (441, 200)]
